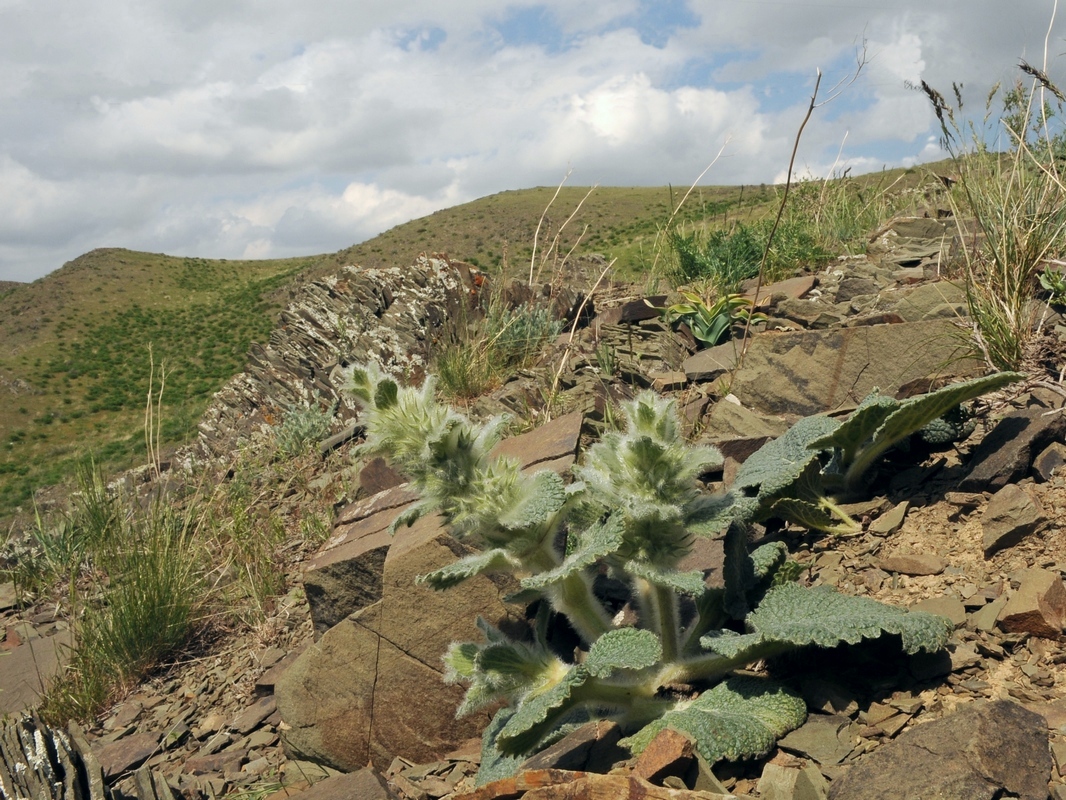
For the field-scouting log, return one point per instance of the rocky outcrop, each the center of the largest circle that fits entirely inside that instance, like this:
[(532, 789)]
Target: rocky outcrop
[(390, 316), (47, 764)]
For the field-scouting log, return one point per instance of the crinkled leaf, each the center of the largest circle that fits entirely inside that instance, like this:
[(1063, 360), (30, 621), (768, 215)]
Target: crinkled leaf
[(954, 426), (495, 765), (859, 427), (596, 542), (538, 713), (495, 560), (742, 717), (709, 515), (544, 496), (798, 615), (774, 467), (623, 648), (767, 558), (691, 583), (385, 395), (731, 644), (916, 412)]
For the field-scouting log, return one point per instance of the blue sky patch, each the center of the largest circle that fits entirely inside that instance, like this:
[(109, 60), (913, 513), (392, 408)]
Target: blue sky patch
[(657, 20), (526, 25)]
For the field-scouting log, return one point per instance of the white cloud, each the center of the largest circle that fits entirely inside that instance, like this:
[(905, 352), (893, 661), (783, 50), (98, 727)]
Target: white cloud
[(240, 128)]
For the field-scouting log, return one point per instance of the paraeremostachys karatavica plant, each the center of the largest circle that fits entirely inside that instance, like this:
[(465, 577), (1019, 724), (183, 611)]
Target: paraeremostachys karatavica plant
[(632, 514)]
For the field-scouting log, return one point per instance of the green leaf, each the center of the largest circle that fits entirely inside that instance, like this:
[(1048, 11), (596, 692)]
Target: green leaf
[(500, 669), (691, 583), (775, 466), (767, 558), (742, 717), (917, 412), (596, 542), (495, 765), (539, 712), (733, 645), (798, 615), (385, 395), (359, 384), (495, 560), (459, 661), (859, 427), (708, 515), (623, 648), (813, 515), (410, 515), (543, 497)]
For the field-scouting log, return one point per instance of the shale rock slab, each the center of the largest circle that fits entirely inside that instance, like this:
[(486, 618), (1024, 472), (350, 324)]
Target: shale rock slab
[(808, 372), (985, 751), (372, 687)]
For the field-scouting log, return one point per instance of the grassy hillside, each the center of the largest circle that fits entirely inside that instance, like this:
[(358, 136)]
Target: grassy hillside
[(75, 364), (74, 346)]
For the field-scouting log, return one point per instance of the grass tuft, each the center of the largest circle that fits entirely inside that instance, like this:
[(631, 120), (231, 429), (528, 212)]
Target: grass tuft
[(1011, 182)]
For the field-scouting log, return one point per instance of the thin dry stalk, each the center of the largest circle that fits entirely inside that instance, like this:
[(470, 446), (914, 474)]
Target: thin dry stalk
[(677, 209), (780, 212), (553, 249), (570, 338), (835, 92), (540, 223), (153, 418)]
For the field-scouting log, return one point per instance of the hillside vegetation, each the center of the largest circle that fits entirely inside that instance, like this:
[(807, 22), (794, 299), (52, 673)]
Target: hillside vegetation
[(76, 347)]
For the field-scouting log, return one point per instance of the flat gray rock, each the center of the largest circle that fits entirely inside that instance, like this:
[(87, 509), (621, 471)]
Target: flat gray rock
[(986, 751), (1010, 516), (825, 738), (808, 372), (26, 670), (1006, 453)]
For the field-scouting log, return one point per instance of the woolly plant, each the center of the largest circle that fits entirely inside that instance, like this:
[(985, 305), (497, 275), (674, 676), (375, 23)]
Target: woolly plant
[(799, 475), (672, 659)]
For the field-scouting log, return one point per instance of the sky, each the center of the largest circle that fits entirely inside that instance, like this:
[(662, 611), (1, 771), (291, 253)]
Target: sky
[(270, 128)]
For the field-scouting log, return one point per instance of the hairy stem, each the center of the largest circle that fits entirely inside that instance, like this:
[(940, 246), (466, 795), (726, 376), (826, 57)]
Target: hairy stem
[(662, 603), (713, 665), (573, 597), (638, 702)]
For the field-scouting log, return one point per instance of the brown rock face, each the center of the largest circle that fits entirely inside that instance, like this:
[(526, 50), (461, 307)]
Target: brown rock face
[(26, 671), (1038, 607), (372, 688), (913, 564), (985, 751), (557, 784), (1011, 515), (1007, 452), (808, 372)]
